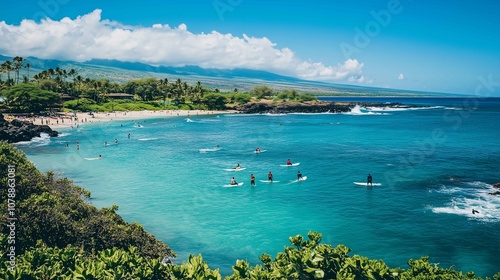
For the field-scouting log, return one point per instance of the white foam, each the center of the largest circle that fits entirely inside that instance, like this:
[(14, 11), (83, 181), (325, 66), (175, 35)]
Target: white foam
[(396, 108), (43, 140), (471, 195), (358, 110)]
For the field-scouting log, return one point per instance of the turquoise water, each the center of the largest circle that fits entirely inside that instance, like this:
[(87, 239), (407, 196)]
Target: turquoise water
[(435, 165)]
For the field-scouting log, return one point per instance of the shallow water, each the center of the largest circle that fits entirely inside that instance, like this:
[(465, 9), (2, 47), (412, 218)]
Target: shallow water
[(435, 165)]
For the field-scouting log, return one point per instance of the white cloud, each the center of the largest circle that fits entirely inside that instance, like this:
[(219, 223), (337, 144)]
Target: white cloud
[(90, 37), (401, 77)]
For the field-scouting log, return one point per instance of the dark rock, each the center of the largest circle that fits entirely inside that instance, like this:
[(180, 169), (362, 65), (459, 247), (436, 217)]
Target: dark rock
[(17, 130), (310, 107), (496, 185)]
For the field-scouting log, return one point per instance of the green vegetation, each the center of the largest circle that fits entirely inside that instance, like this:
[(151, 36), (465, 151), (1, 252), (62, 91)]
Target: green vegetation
[(30, 98), (64, 237), (43, 91)]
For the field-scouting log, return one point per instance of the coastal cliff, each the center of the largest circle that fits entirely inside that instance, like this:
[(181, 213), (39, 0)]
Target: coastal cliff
[(268, 107), (17, 131)]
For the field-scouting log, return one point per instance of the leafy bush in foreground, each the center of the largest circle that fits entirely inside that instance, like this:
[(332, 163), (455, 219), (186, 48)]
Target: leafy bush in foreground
[(62, 237)]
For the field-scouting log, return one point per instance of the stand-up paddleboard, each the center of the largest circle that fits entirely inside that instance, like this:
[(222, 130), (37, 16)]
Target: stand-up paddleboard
[(94, 158), (231, 186), (366, 184), (293, 164), (261, 151), (234, 169), (299, 180), (267, 181), (208, 150)]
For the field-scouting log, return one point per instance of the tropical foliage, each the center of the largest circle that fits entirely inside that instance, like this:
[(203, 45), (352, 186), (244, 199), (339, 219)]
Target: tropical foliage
[(151, 93), (56, 212)]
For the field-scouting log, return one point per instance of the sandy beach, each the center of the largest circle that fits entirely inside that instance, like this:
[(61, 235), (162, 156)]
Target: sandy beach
[(70, 120)]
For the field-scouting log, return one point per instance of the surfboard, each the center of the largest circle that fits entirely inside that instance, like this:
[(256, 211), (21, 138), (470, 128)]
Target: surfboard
[(234, 169), (293, 164), (366, 185), (296, 181), (232, 186), (267, 181), (261, 151), (208, 150), (95, 158)]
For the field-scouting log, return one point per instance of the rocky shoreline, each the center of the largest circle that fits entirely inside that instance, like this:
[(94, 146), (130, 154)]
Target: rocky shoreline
[(308, 107), (17, 131)]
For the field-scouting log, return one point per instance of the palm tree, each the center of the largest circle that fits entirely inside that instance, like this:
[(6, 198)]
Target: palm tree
[(6, 68), (18, 64), (28, 66)]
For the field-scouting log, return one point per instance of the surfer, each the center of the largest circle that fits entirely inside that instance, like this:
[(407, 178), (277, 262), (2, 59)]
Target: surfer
[(128, 136), (288, 162), (474, 211), (116, 141), (100, 157), (233, 182), (270, 176), (257, 150), (299, 175), (238, 166), (252, 180), (369, 180)]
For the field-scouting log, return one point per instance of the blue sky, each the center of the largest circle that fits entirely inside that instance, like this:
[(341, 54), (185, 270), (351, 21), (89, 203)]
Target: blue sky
[(443, 46)]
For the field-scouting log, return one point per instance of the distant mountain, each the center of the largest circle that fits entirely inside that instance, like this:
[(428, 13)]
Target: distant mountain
[(222, 79)]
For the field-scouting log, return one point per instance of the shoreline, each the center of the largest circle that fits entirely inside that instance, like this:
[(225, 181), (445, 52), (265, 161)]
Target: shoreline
[(71, 120)]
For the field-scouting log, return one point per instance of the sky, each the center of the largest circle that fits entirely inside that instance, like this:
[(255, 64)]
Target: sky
[(448, 46)]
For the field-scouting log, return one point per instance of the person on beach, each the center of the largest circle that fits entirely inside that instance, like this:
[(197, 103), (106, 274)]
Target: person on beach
[(288, 162), (299, 175), (270, 176), (252, 180), (233, 182), (369, 180)]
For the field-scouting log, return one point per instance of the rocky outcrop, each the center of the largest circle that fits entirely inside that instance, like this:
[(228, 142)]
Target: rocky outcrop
[(309, 107), (17, 131)]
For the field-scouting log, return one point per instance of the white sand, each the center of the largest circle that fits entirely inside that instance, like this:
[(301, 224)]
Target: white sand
[(68, 120)]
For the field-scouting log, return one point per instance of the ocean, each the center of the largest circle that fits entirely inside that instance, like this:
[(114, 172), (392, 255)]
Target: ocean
[(435, 164)]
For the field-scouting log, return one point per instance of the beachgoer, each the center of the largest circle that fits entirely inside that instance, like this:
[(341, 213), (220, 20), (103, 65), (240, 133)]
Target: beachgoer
[(270, 176), (257, 150), (77, 146), (116, 141), (288, 162), (369, 180), (100, 156), (238, 166), (128, 135), (233, 182), (299, 175), (252, 180), (105, 143)]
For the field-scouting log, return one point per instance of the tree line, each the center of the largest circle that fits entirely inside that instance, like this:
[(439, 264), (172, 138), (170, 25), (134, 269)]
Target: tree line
[(18, 91)]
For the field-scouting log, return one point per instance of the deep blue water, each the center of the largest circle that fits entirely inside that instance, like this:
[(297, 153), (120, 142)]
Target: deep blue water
[(435, 165)]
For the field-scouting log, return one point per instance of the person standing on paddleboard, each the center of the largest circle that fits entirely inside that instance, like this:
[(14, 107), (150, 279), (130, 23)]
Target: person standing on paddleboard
[(270, 176), (252, 180), (299, 175)]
